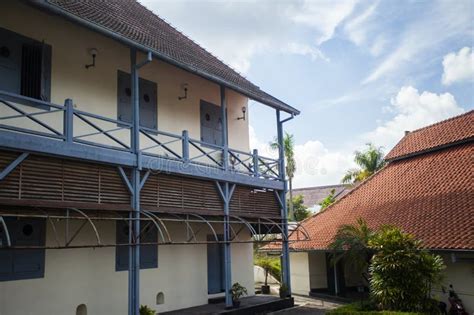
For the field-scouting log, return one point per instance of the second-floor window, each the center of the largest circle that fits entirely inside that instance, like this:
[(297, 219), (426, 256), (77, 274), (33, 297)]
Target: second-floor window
[(148, 100), (25, 66), (211, 123)]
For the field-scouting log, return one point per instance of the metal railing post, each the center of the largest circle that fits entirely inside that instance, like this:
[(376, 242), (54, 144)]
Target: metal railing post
[(185, 143), (68, 128), (255, 162)]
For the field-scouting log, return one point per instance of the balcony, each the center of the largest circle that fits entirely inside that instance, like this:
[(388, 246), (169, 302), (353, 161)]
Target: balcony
[(32, 125)]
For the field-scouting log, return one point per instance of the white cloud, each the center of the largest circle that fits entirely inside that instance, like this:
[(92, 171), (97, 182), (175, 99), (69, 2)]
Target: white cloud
[(236, 31), (458, 67), (412, 110), (446, 21), (305, 50), (324, 16), (358, 27), (315, 164)]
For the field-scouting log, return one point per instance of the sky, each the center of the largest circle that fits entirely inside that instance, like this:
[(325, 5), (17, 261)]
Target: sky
[(359, 71)]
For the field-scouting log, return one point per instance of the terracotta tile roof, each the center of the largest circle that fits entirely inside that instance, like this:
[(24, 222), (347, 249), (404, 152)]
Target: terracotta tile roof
[(430, 195), (136, 23), (313, 196), (446, 132)]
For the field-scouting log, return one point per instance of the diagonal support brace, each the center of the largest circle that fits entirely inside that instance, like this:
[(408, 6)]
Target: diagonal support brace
[(13, 165)]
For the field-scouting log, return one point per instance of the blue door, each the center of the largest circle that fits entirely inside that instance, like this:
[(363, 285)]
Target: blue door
[(215, 266)]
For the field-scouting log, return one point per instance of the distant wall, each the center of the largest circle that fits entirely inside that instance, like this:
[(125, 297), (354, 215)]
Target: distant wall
[(299, 268)]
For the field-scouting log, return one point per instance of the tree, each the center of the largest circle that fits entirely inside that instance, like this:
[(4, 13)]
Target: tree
[(402, 272), (290, 164), (352, 243), (369, 161), (300, 211), (329, 200)]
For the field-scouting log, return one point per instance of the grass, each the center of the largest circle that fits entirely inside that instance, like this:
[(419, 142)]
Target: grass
[(357, 309)]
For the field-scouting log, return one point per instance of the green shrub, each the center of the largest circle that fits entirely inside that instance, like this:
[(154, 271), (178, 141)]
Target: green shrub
[(145, 310), (365, 309), (270, 264), (402, 273)]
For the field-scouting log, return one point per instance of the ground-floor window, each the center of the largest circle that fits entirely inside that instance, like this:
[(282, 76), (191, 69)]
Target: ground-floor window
[(148, 253), (19, 264)]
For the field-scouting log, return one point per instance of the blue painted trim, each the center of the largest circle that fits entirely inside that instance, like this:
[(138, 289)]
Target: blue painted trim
[(13, 165)]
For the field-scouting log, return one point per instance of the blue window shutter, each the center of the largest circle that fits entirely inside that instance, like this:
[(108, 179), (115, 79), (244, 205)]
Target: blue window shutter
[(148, 100), (148, 253), (46, 72), (24, 263), (10, 61), (211, 123)]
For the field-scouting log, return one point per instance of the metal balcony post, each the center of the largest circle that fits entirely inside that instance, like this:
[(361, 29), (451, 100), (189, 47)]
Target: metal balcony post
[(68, 120), (134, 249), (255, 162), (284, 212), (225, 144), (185, 143)]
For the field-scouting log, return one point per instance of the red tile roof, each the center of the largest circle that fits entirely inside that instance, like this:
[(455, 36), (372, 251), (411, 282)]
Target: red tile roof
[(429, 195), (447, 132), (134, 22)]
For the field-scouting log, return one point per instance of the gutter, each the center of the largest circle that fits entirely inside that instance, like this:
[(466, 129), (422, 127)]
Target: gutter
[(57, 10)]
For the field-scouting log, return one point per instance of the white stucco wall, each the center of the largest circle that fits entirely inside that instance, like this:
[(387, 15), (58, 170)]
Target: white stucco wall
[(87, 276), (95, 90), (299, 269), (317, 270)]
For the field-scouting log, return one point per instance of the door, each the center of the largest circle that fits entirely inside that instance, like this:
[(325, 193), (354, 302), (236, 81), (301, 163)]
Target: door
[(338, 276), (215, 266)]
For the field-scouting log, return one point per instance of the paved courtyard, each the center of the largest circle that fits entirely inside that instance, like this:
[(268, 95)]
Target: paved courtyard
[(307, 305)]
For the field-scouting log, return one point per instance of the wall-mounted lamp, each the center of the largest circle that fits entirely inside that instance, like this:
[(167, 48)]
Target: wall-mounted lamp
[(93, 52), (184, 87), (244, 110)]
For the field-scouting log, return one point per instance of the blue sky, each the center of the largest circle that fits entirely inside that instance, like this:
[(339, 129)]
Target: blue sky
[(359, 71)]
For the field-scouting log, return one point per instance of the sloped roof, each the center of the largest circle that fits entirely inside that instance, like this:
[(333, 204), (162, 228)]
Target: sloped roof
[(315, 195), (131, 22), (447, 132), (429, 195)]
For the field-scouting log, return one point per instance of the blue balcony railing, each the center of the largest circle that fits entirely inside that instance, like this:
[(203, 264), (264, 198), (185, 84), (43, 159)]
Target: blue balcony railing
[(25, 115)]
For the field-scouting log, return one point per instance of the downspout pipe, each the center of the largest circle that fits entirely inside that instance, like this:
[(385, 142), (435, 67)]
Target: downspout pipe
[(284, 214)]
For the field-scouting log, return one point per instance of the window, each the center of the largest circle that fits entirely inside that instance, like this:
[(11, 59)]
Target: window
[(148, 100), (211, 123), (148, 253), (18, 264), (25, 66)]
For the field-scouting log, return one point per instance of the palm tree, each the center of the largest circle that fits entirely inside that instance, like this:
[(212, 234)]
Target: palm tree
[(290, 165), (370, 161), (352, 243)]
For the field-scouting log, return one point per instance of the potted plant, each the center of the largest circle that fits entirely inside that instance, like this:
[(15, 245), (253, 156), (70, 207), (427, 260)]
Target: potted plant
[(283, 291), (266, 264), (237, 292)]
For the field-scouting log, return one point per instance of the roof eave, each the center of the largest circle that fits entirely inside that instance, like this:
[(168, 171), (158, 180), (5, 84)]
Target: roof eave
[(106, 32)]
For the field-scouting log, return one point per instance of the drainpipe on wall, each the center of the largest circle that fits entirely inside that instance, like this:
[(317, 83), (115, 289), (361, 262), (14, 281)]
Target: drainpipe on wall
[(284, 215)]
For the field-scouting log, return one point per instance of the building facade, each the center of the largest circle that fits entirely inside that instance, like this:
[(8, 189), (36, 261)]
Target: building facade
[(126, 176)]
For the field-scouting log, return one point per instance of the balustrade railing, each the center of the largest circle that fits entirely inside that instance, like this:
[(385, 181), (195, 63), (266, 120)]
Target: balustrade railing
[(25, 115)]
